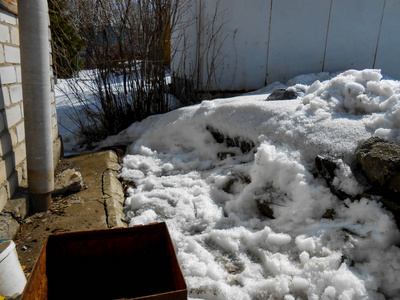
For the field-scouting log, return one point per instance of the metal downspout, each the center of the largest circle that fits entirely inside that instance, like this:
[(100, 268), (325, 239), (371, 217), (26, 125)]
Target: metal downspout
[(35, 66)]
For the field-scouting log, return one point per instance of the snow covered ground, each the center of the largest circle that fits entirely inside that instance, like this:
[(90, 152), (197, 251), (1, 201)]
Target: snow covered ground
[(226, 248)]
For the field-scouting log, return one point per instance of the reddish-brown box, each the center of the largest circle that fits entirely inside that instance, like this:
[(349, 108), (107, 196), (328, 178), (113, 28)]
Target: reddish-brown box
[(123, 263)]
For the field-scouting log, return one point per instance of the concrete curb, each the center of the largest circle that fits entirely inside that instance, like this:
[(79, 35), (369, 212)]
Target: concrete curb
[(113, 194), (111, 197)]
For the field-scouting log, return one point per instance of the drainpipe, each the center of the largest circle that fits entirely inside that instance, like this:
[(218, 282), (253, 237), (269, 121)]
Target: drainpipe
[(35, 67)]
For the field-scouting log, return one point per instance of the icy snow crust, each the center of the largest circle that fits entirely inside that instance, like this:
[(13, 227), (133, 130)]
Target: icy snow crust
[(226, 248)]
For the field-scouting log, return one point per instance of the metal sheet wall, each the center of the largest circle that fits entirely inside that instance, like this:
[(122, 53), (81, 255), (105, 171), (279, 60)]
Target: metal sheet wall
[(264, 41)]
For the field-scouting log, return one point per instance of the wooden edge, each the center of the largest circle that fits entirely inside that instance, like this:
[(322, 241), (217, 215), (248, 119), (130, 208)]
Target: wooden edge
[(36, 287), (9, 5), (100, 232), (175, 295)]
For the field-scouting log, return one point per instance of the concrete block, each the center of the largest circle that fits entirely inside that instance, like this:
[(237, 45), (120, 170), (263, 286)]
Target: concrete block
[(12, 54), (4, 97), (12, 183), (22, 174), (58, 150), (4, 33), (115, 215), (53, 98), (13, 115), (54, 121), (14, 33), (20, 132), (9, 18), (8, 75), (19, 154), (18, 73), (112, 161), (53, 110), (112, 186), (2, 123), (3, 198), (1, 54), (13, 134), (55, 132), (9, 164), (16, 93), (5, 144), (3, 173)]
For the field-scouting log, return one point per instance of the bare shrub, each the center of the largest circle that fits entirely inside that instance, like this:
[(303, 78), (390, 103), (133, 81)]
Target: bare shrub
[(128, 48)]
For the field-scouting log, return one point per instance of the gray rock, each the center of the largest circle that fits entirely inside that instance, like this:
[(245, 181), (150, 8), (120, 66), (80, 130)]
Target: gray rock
[(237, 142), (283, 94), (380, 162), (69, 181), (264, 207), (235, 180), (326, 167), (395, 184)]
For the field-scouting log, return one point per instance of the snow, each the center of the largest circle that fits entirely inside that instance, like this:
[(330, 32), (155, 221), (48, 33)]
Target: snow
[(225, 247), (69, 105)]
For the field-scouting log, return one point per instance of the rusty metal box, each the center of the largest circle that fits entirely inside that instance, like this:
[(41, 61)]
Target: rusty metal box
[(123, 263)]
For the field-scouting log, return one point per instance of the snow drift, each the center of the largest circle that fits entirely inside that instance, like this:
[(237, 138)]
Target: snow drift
[(226, 248)]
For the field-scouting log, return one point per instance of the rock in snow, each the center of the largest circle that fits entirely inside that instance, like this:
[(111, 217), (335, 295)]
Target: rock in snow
[(283, 94), (380, 161)]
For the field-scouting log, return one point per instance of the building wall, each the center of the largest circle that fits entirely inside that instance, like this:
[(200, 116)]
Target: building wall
[(263, 41), (12, 131)]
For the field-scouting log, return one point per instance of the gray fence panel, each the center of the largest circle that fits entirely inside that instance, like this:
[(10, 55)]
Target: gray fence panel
[(297, 39), (275, 40), (388, 55), (242, 56), (353, 34)]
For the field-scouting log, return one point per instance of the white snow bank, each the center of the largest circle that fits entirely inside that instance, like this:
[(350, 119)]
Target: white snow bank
[(226, 248)]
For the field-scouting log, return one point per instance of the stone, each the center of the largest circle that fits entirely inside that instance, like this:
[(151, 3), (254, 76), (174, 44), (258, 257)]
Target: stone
[(394, 184), (225, 155), (68, 181), (283, 94), (235, 180), (264, 208), (380, 162), (245, 146), (329, 214), (326, 167)]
